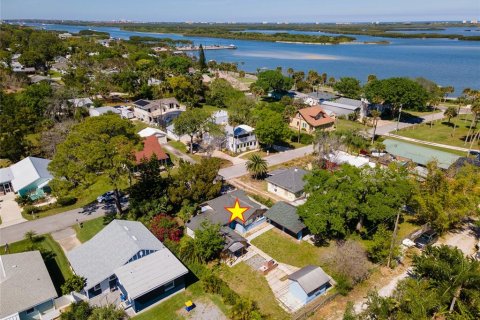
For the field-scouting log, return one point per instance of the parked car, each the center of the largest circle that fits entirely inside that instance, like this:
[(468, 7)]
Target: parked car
[(425, 239), (106, 197)]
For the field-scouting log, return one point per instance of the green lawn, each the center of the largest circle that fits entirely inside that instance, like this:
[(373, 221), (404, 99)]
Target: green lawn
[(248, 283), (167, 310), (139, 125), (441, 132), (55, 260), (286, 249), (211, 109), (342, 124), (84, 197), (90, 228), (180, 146)]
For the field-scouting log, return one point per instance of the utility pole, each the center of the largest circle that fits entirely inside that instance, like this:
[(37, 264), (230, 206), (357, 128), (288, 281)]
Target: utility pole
[(399, 115), (394, 235)]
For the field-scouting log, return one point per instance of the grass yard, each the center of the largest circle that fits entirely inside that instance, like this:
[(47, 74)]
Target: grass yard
[(211, 109), (55, 260), (90, 228), (342, 124), (249, 283), (167, 310), (286, 249), (84, 197), (139, 125), (180, 146), (441, 132)]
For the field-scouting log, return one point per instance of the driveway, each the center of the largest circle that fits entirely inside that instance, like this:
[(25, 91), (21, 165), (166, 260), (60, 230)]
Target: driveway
[(464, 238), (239, 170), (10, 211), (67, 239), (177, 153)]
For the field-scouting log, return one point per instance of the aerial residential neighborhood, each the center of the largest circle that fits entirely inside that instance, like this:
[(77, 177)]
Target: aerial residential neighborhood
[(321, 161)]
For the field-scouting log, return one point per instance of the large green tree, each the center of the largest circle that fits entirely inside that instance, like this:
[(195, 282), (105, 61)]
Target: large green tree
[(349, 87), (202, 64), (270, 127), (348, 199), (192, 122), (195, 183), (98, 147), (220, 92), (273, 80), (396, 93)]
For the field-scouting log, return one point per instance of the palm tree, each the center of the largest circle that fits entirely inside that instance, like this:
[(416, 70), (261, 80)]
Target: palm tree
[(290, 72), (475, 113), (257, 166), (375, 116), (31, 236)]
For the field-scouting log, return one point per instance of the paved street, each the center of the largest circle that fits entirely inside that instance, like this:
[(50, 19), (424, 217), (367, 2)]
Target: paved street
[(53, 223), (239, 170)]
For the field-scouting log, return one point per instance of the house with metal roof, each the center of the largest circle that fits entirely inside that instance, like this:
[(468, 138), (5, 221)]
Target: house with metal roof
[(159, 112), (287, 183), (147, 132), (26, 289), (241, 138), (284, 216), (345, 106), (29, 176), (214, 212), (126, 256), (308, 283), (100, 111), (81, 102), (312, 118)]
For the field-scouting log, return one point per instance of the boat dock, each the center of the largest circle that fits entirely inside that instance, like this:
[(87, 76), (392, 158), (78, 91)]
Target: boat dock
[(214, 47)]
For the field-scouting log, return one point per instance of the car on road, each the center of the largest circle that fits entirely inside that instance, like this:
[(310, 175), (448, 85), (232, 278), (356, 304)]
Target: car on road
[(425, 239), (106, 197)]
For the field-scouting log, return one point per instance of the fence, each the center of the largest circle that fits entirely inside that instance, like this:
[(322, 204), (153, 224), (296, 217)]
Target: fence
[(313, 306)]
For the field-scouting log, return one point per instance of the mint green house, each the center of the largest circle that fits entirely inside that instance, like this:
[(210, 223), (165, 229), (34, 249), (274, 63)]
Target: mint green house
[(29, 176)]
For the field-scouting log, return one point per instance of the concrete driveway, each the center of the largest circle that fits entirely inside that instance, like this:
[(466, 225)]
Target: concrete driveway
[(10, 211)]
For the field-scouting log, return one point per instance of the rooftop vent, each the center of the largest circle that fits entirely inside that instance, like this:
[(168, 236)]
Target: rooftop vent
[(134, 238), (125, 227)]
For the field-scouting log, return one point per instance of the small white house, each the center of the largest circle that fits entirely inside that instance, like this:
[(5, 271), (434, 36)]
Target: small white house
[(241, 138), (220, 117), (175, 137), (308, 283), (81, 102), (96, 112), (287, 183)]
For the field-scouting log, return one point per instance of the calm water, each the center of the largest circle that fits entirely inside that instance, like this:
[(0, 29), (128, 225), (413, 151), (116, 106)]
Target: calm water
[(445, 61)]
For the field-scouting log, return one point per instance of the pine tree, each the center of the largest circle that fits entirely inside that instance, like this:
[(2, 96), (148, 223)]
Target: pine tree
[(201, 59)]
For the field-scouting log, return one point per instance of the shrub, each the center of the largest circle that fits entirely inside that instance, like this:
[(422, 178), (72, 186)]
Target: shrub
[(23, 200), (66, 201), (265, 201), (164, 227), (29, 209), (305, 138), (343, 284)]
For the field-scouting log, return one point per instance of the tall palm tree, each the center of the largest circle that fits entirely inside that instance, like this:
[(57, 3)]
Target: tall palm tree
[(257, 166), (375, 117), (290, 71), (450, 113), (475, 113)]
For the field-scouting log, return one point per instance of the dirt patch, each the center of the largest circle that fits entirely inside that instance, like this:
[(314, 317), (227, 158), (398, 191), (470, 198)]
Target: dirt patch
[(204, 310)]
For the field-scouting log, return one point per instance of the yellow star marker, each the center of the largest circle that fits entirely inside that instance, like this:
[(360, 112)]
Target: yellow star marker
[(236, 211)]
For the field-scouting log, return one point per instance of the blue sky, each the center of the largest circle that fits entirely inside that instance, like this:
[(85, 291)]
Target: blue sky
[(242, 10)]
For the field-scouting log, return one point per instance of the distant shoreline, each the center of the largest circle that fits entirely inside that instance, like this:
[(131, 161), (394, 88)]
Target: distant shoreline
[(340, 43)]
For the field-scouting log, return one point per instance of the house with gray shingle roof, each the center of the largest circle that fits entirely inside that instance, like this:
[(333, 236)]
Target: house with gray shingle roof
[(214, 212), (284, 216), (26, 289), (308, 283), (287, 183), (160, 112), (126, 256)]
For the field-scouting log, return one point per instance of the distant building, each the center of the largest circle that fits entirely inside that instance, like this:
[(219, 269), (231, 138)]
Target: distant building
[(65, 35), (220, 117), (287, 183), (96, 112), (126, 259), (241, 138), (312, 118), (308, 283), (316, 98), (81, 102), (26, 289), (159, 112), (346, 106)]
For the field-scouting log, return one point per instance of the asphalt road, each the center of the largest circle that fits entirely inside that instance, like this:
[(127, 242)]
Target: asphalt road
[(54, 223), (239, 170)]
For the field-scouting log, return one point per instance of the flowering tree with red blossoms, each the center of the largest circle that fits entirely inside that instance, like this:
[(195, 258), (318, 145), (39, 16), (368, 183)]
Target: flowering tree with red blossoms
[(164, 227)]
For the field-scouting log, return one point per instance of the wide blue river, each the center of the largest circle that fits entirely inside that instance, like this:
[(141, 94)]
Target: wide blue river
[(445, 61)]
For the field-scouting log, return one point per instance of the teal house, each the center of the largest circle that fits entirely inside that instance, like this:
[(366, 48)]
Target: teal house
[(29, 176)]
